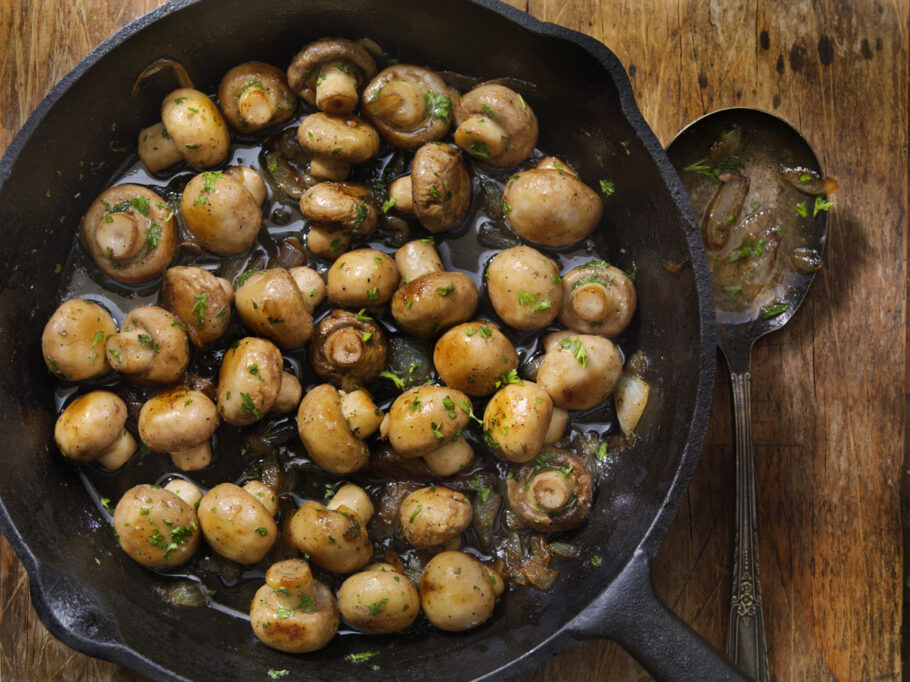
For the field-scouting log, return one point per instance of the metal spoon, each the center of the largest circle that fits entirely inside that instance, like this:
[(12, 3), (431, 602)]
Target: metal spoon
[(746, 143)]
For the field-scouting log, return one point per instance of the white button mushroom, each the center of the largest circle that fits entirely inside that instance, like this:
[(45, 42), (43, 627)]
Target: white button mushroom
[(92, 428), (353, 498), (335, 539), (473, 357), (293, 612), (425, 418), (249, 380), (338, 211), (74, 339), (552, 493), (516, 420), (409, 105), (438, 190), (336, 142), (362, 278), (236, 524), (201, 301), (329, 72), (196, 126), (379, 600), (599, 299), (270, 304), (155, 527), (156, 149), (451, 458), (289, 394), (348, 350), (432, 516), (151, 347), (130, 233), (550, 205), (222, 212), (457, 592), (496, 125), (264, 494), (254, 96), (525, 288), (311, 285), (180, 421), (579, 371), (186, 491), (326, 433)]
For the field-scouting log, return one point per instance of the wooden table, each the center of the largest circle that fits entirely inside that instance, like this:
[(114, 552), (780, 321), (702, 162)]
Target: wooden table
[(828, 390)]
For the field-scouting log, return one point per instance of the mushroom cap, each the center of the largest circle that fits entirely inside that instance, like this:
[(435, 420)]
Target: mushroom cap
[(73, 340), (304, 70), (155, 527), (440, 187), (551, 207), (380, 601), (196, 296), (434, 302), (599, 299), (472, 356), (177, 419), (156, 149), (432, 516), (342, 138), (279, 623), (249, 380), (425, 418), (509, 112), (362, 278), (90, 425), (516, 420), (254, 96), (409, 105), (524, 287), (335, 539), (220, 212), (571, 468), (236, 524), (151, 348), (325, 432), (130, 233), (456, 592), (196, 126), (342, 205), (270, 304), (348, 350), (580, 371)]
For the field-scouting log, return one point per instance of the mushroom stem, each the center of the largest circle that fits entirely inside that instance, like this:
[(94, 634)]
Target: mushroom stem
[(327, 242), (361, 413), (257, 105), (399, 103), (119, 452), (345, 348), (592, 302), (295, 577), (193, 459), (401, 191), (131, 351), (550, 489), (417, 258), (336, 89), (481, 136), (329, 168), (118, 236)]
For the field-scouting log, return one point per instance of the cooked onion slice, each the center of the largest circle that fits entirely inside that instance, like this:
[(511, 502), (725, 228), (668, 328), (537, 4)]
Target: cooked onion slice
[(631, 396)]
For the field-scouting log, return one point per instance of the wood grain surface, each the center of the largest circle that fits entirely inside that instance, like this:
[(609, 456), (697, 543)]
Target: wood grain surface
[(828, 390)]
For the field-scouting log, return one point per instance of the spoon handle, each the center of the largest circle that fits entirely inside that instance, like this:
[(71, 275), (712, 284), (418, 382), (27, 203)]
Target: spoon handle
[(746, 645)]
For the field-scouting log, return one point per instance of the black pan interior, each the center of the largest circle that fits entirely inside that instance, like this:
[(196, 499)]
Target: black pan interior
[(64, 158)]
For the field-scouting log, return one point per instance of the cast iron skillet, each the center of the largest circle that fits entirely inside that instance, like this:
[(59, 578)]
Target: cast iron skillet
[(63, 158)]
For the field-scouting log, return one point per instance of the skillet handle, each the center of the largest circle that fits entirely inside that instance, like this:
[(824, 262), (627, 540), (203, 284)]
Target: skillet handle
[(631, 614)]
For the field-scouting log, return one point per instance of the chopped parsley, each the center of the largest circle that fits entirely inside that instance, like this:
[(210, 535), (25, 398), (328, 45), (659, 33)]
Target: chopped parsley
[(278, 674), (576, 347), (821, 205), (262, 531), (436, 431), (597, 560), (373, 294), (510, 377), (363, 318), (607, 188), (801, 209), (479, 149), (153, 236), (378, 607), (773, 310), (209, 178), (200, 306), (445, 291), (486, 332), (361, 657), (391, 376), (247, 405), (388, 204), (749, 248), (438, 105)]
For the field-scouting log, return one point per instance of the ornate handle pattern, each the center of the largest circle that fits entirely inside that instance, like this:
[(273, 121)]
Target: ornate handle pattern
[(746, 645)]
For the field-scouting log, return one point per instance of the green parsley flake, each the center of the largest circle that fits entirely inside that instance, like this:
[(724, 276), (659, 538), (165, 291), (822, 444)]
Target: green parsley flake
[(153, 236), (445, 291), (802, 210), (479, 149), (821, 205), (360, 657), (607, 188), (378, 607), (388, 204), (440, 106), (576, 347), (597, 560), (768, 312), (200, 306), (247, 405)]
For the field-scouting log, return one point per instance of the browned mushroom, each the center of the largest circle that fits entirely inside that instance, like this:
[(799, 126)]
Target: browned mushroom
[(599, 299), (196, 127), (156, 149), (130, 233), (409, 105), (270, 305), (254, 96), (92, 428), (201, 301), (151, 348), (335, 143), (551, 493), (438, 190), (249, 380), (348, 350), (180, 421), (74, 339), (363, 278), (496, 125), (339, 210), (329, 73)]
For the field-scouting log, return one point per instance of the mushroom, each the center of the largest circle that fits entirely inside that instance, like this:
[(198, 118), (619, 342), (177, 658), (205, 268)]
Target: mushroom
[(130, 233), (293, 611), (156, 149), (222, 209), (200, 300), (151, 347), (339, 209), (516, 420), (496, 125), (180, 421), (550, 205), (426, 418), (379, 600), (409, 105), (432, 516), (457, 592), (264, 494), (473, 357), (438, 190), (236, 524), (249, 380), (185, 490), (92, 428), (196, 126), (326, 433), (335, 539), (270, 304), (311, 285), (599, 299), (579, 371), (348, 350), (361, 413), (430, 300), (525, 288), (155, 527), (289, 394), (73, 340), (362, 278), (327, 241), (552, 493), (336, 142), (254, 96), (450, 458), (352, 498), (329, 72)]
